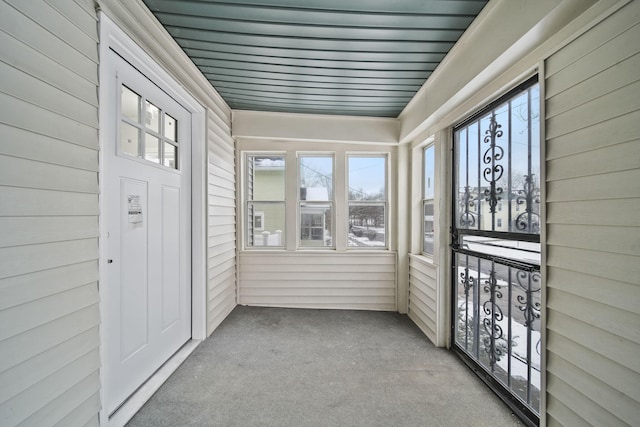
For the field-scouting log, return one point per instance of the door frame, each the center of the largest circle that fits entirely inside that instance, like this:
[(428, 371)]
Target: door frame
[(114, 38)]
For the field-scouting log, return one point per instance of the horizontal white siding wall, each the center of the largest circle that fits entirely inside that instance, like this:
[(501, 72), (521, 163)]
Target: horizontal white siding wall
[(423, 295), (49, 318), (593, 228), (221, 276), (318, 280)]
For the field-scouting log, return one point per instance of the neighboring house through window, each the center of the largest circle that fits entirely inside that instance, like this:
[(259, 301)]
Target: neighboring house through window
[(265, 195)]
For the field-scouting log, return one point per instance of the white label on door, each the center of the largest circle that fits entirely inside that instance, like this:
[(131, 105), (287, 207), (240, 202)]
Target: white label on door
[(135, 209)]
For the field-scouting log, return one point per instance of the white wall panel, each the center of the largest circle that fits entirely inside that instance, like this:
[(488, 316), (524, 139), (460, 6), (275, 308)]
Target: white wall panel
[(423, 307), (593, 235), (49, 336), (364, 281), (221, 227)]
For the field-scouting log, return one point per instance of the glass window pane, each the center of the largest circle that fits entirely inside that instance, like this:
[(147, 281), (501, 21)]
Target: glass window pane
[(170, 128), (316, 178), (367, 178), (130, 104), (265, 177), (170, 156), (151, 148), (152, 117), (129, 139), (429, 172), (266, 224), (428, 226), (316, 225), (367, 226)]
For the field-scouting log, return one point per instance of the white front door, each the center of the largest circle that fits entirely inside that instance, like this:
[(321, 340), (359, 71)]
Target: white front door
[(147, 201)]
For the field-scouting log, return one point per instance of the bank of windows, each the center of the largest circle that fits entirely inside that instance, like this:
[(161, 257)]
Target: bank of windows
[(366, 200), (146, 131), (428, 193)]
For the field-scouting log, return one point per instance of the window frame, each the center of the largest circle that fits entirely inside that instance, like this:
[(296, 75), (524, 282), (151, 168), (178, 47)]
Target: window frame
[(249, 223), (384, 202), (428, 200), (331, 202)]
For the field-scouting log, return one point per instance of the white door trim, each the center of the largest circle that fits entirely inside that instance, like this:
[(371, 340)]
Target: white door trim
[(113, 38)]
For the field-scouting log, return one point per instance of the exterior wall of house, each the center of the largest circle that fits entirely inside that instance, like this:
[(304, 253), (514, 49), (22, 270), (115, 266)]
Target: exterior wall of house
[(49, 318), (592, 102)]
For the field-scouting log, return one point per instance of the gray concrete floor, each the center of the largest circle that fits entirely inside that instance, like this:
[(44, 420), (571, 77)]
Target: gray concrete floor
[(290, 367)]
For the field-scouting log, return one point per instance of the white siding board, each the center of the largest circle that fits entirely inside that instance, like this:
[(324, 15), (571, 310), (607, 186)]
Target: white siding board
[(625, 324), (34, 63), (35, 91), (26, 145), (601, 135), (604, 187), (17, 172), (590, 41), (610, 54), (593, 250), (28, 373), (49, 317), (30, 117), (84, 413), (69, 400), (25, 407), (26, 259), (621, 212), (617, 240), (623, 268), (558, 415), (29, 32), (617, 103), (17, 231), (88, 6), (30, 287), (21, 318), (77, 16), (317, 280), (590, 414), (19, 348), (624, 296), (608, 345), (59, 26), (221, 228), (618, 376), (36, 202), (618, 157), (423, 296), (621, 75)]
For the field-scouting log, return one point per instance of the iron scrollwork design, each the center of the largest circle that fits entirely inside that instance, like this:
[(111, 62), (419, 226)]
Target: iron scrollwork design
[(529, 282), (493, 341), (529, 220), (493, 172), (468, 283), (467, 217)]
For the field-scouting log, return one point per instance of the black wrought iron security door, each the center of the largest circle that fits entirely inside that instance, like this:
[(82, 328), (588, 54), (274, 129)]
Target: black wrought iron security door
[(496, 247)]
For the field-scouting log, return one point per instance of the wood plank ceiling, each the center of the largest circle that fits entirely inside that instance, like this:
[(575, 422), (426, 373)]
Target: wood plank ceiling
[(345, 57)]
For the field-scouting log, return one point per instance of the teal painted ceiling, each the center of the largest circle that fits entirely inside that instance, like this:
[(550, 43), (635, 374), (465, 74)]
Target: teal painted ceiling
[(346, 57)]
